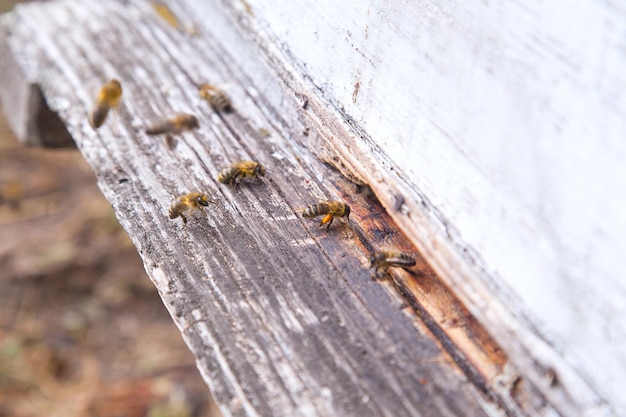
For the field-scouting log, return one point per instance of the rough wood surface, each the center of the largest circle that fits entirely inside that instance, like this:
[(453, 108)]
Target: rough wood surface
[(505, 122), (504, 125), (284, 318)]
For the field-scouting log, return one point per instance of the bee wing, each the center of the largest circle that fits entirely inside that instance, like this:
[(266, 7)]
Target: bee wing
[(323, 207), (400, 261)]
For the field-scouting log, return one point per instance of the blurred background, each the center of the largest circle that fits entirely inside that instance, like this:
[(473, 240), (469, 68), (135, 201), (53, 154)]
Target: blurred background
[(83, 331)]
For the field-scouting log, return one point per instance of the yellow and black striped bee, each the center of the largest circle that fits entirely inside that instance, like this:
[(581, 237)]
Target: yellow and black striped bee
[(188, 203), (109, 97), (176, 125), (329, 210), (216, 97), (383, 260), (236, 172), (166, 14)]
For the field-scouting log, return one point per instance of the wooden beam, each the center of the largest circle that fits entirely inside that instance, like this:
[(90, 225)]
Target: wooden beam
[(284, 318)]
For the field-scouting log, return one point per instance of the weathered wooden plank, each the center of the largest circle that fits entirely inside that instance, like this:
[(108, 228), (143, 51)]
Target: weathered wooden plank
[(477, 110), (505, 123), (284, 318)]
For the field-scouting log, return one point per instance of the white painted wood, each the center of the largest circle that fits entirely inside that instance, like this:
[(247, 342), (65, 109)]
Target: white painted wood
[(283, 318), (506, 123), (502, 125)]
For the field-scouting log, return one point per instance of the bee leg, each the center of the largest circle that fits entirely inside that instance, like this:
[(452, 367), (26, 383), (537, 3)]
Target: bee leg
[(237, 180), (375, 274), (327, 219), (329, 222), (170, 142), (345, 229), (386, 274), (381, 273), (184, 218)]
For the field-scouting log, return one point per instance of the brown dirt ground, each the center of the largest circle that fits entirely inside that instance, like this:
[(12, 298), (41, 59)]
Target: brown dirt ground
[(83, 331)]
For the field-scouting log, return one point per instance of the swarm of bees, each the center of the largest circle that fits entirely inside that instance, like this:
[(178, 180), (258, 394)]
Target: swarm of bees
[(109, 97)]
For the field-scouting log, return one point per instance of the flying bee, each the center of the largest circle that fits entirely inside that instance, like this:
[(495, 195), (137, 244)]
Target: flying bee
[(216, 97), (383, 260), (329, 210), (240, 170), (108, 98), (176, 125), (188, 203)]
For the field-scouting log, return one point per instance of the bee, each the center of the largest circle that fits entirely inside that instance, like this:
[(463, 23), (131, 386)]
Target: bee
[(108, 98), (383, 260), (188, 203), (240, 170), (176, 125), (330, 209), (12, 193), (216, 97), (166, 14)]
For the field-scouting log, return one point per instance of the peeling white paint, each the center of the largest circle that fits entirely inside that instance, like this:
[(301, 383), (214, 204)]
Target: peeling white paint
[(510, 118), (439, 134)]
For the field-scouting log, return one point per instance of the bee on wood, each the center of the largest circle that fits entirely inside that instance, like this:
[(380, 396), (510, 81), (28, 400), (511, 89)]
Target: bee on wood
[(216, 97), (166, 14), (329, 210), (188, 203), (381, 261), (176, 125), (12, 193), (238, 171), (108, 98)]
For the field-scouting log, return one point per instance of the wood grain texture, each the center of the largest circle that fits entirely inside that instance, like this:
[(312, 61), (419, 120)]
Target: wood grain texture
[(503, 124), (284, 318)]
